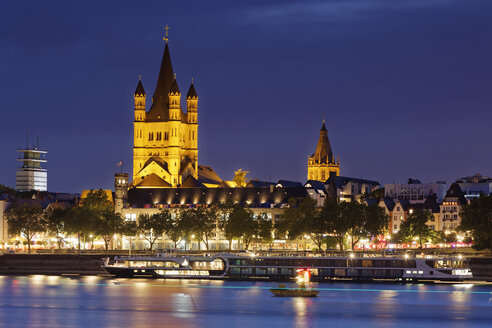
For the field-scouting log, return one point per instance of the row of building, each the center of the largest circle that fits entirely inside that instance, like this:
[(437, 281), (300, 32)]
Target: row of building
[(167, 174)]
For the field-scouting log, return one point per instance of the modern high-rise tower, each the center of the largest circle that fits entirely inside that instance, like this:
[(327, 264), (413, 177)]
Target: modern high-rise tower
[(31, 175)]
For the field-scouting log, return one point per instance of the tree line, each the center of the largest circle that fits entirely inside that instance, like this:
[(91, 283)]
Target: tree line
[(334, 223), (95, 218)]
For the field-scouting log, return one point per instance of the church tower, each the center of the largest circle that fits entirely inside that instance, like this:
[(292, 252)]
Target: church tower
[(165, 147), (322, 162)]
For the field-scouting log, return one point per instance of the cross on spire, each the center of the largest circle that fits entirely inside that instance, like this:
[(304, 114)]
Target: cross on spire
[(165, 38)]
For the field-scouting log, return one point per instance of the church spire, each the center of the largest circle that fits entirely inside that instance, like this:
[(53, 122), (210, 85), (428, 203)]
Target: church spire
[(139, 91), (159, 111), (321, 164), (323, 153), (191, 91)]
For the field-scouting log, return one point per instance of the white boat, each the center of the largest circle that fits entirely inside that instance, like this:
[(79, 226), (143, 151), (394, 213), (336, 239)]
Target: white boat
[(244, 266)]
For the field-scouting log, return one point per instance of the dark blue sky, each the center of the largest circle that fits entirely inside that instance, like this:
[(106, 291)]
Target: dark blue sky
[(405, 86)]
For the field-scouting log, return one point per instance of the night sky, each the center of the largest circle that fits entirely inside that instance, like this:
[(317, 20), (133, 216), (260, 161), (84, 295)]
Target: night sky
[(405, 85)]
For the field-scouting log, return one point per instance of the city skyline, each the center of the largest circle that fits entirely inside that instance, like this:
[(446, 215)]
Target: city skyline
[(404, 90)]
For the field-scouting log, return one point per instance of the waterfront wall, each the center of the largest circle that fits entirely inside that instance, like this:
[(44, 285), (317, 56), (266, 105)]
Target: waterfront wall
[(51, 264)]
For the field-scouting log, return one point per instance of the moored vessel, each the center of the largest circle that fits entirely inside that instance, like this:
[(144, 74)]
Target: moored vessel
[(302, 289), (284, 268)]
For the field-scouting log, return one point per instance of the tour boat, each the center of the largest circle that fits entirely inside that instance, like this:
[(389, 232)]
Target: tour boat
[(164, 266), (303, 288), (277, 268)]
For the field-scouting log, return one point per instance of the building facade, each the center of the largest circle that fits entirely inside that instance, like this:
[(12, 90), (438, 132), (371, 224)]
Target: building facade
[(31, 175), (451, 207), (269, 200), (322, 162), (475, 186), (165, 147), (352, 188), (3, 222), (415, 191)]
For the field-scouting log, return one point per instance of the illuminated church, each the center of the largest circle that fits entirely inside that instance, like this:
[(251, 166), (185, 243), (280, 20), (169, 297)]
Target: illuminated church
[(165, 147)]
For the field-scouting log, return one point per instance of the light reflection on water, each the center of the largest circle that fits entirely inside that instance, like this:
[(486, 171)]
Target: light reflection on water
[(52, 301)]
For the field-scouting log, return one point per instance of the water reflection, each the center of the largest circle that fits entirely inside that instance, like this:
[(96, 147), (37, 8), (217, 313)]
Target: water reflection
[(52, 301), (301, 306), (183, 305)]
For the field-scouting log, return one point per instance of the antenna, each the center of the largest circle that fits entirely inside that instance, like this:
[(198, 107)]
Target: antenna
[(37, 142), (27, 137)]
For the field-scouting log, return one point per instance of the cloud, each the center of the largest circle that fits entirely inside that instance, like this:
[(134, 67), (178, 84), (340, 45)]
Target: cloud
[(331, 10)]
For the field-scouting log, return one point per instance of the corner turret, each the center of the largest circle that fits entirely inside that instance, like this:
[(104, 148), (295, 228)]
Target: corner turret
[(139, 97), (174, 101), (192, 104)]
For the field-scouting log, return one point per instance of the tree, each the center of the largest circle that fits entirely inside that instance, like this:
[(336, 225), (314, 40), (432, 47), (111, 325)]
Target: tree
[(9, 191), (56, 224), (26, 220), (250, 228), (352, 213), (302, 217), (175, 231), (205, 224), (332, 215), (107, 225), (155, 225), (264, 228), (129, 229), (376, 220), (476, 217), (81, 221), (238, 224), (98, 201), (240, 178), (416, 227), (187, 224), (298, 217), (94, 216)]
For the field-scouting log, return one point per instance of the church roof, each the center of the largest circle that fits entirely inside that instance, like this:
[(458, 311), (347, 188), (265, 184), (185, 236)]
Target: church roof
[(315, 185), (191, 92), (174, 88), (207, 175), (159, 161), (289, 184), (323, 154), (191, 182), (159, 111), (139, 91), (258, 183), (153, 181)]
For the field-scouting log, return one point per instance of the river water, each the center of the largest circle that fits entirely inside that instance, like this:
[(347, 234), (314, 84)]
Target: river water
[(53, 301)]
